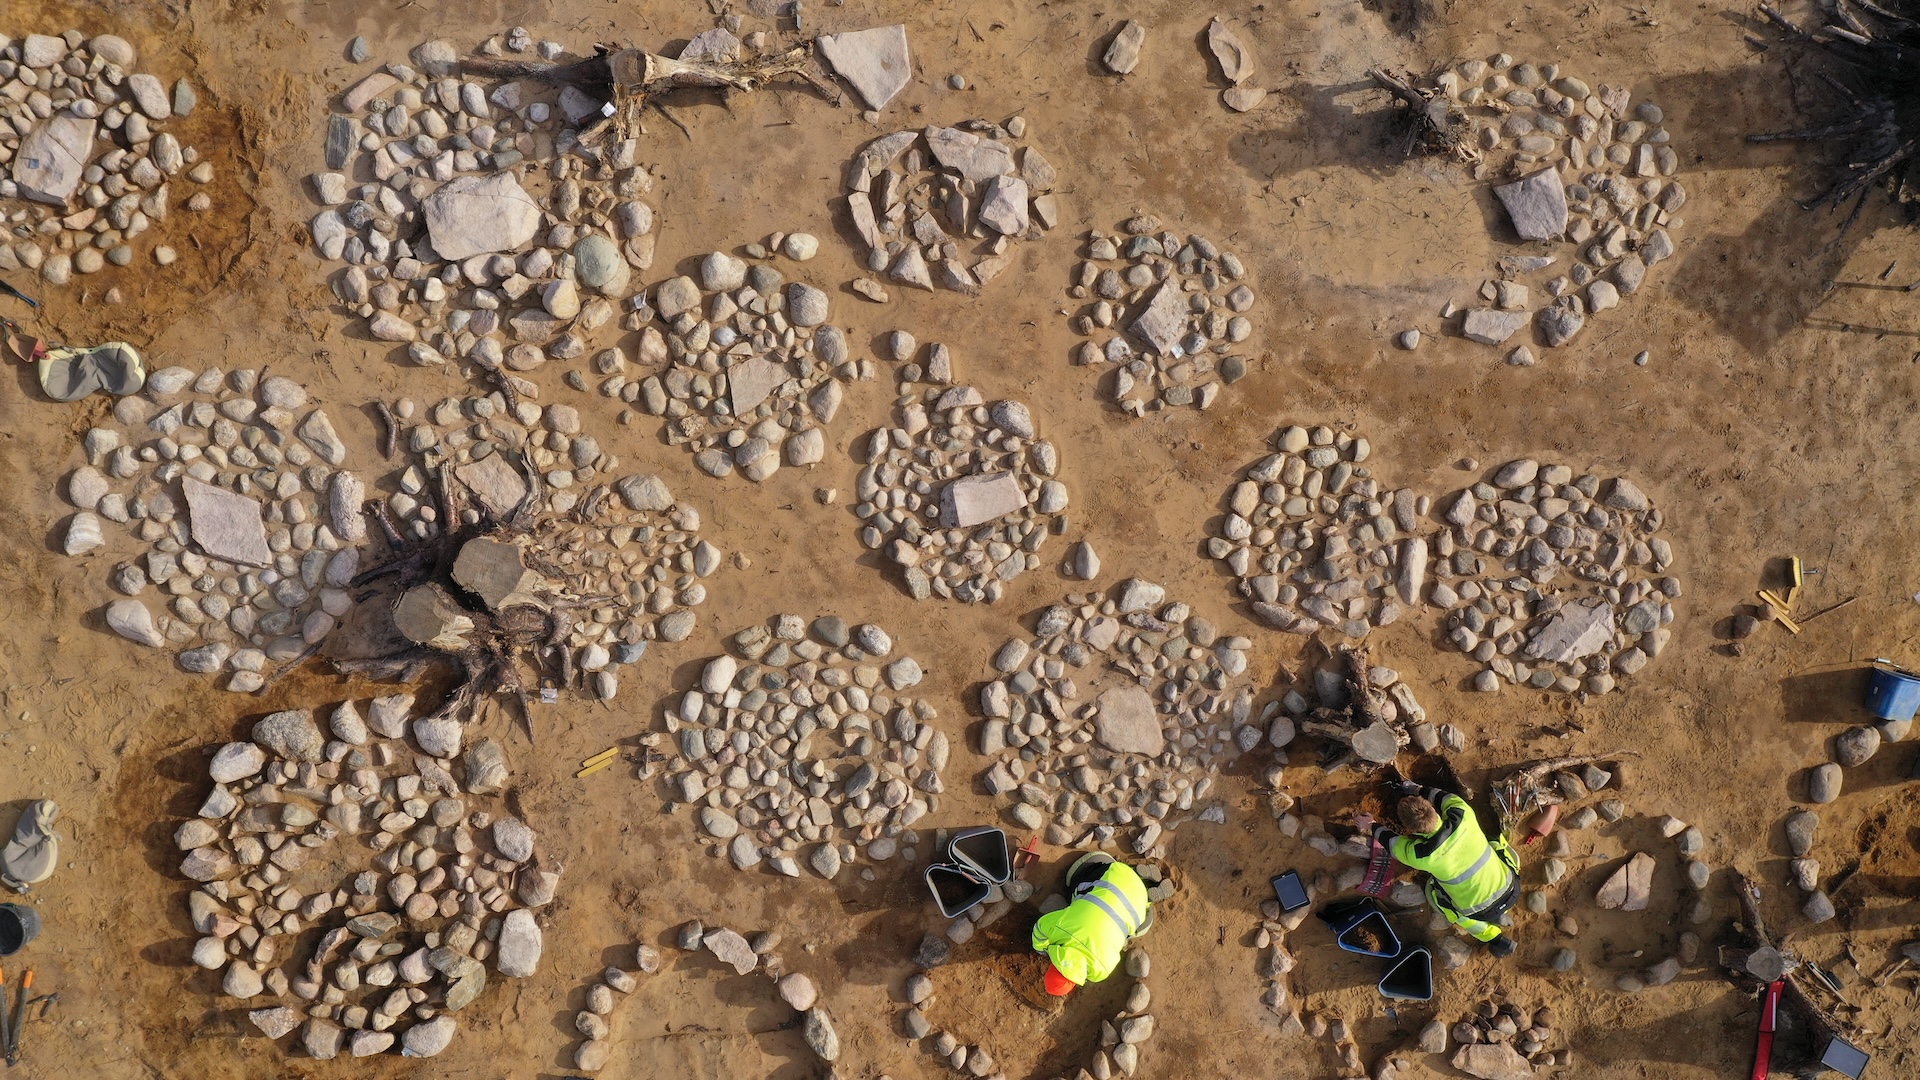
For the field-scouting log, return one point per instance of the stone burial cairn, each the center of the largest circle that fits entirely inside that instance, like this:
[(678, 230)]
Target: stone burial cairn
[(753, 369), (1851, 749), (745, 955), (802, 743), (961, 494), (448, 887), (488, 232), (917, 198), (1587, 171), (1165, 708), (1547, 579), (546, 523), (88, 169), (237, 529), (1164, 314), (1315, 540), (1122, 1040)]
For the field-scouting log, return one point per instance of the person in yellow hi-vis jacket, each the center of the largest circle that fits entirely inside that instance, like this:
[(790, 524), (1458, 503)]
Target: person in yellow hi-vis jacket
[(1083, 941), (1472, 880)]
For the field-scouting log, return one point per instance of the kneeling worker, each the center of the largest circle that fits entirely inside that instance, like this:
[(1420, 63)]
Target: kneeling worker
[(1083, 941), (1470, 879)]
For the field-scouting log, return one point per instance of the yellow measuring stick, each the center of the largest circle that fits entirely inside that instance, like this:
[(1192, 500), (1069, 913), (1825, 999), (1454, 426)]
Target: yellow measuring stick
[(594, 768), (1778, 611), (601, 756)]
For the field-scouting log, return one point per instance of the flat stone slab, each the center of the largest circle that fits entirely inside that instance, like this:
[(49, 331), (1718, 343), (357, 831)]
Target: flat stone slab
[(1492, 1061), (730, 948), (874, 61), (494, 571), (497, 484), (1490, 327), (226, 525), (1537, 205), (1127, 723), (1003, 205), (973, 500), (972, 156), (1165, 319), (473, 215), (1630, 887), (749, 383), (1574, 633), (52, 158)]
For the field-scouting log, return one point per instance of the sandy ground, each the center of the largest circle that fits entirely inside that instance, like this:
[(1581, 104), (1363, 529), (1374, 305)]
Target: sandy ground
[(1759, 433)]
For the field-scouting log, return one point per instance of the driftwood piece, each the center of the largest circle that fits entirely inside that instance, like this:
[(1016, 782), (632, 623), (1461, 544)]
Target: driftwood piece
[(1432, 120), (1754, 929), (629, 77)]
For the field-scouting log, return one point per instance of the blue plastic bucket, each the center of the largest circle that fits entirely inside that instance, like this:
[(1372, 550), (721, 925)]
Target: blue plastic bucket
[(1893, 694)]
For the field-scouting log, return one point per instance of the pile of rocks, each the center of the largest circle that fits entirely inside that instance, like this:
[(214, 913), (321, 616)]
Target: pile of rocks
[(1549, 579), (916, 197), (1851, 748), (1588, 175), (451, 885), (232, 489), (1498, 570), (82, 127), (804, 738), (1122, 1038), (754, 370), (1316, 542), (961, 494), (742, 953), (619, 548), (489, 231), (1165, 709), (1498, 1041), (1166, 315)]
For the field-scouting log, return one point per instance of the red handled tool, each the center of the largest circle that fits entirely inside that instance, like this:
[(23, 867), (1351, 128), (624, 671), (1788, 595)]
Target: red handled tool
[(1769, 1012)]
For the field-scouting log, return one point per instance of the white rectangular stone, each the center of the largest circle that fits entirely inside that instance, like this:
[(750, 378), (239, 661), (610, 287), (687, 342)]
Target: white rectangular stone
[(973, 500), (1574, 632), (225, 525)]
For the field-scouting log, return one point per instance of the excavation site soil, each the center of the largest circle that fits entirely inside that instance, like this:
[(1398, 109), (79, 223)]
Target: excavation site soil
[(1136, 280)]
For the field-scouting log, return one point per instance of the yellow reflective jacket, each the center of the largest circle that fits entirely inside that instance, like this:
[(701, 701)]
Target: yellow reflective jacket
[(1469, 868), (1085, 938)]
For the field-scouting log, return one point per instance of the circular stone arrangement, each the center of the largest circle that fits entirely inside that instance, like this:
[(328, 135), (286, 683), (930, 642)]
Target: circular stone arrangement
[(1315, 541), (1547, 578), (1589, 174), (1121, 1038), (805, 738), (755, 370), (1163, 714), (448, 882), (1165, 314), (619, 559), (1550, 580), (745, 955), (962, 493), (447, 249), (915, 197), (233, 489), (81, 128)]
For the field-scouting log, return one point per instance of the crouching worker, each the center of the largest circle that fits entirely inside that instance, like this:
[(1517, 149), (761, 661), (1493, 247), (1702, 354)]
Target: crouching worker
[(1470, 879), (1084, 940)]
